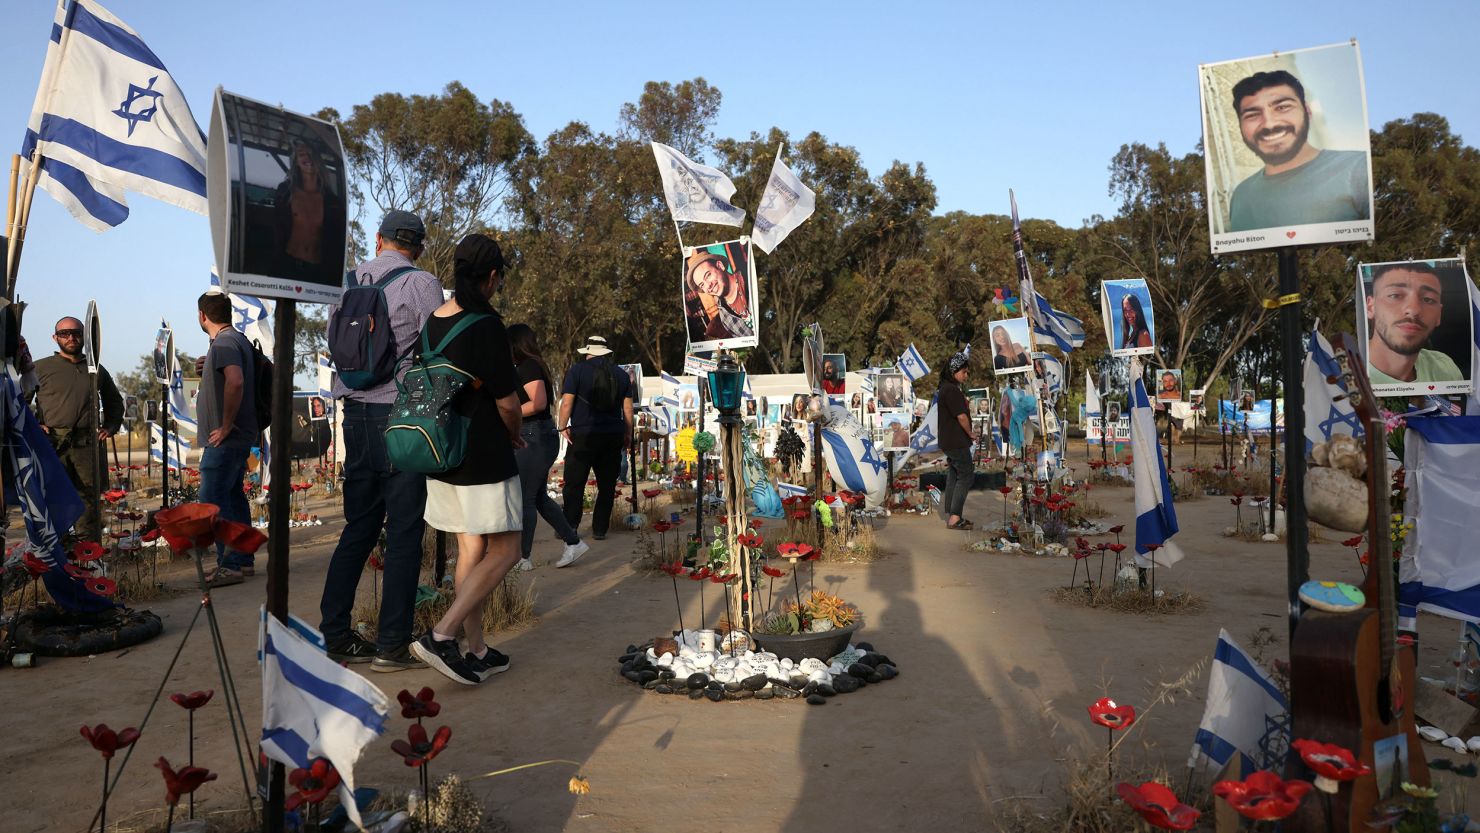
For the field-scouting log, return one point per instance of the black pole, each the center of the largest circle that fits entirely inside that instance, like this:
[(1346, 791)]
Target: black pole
[(1290, 336), (164, 442), (280, 471), (699, 471)]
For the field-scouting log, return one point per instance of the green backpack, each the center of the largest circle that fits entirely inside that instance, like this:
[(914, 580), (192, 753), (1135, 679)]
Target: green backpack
[(424, 433)]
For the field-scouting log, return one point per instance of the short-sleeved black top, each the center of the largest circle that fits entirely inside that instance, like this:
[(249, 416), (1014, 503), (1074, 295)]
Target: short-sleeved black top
[(530, 370), (482, 350), (950, 403)]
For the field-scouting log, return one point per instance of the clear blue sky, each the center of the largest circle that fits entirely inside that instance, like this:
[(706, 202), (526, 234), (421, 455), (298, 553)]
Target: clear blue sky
[(1033, 96)]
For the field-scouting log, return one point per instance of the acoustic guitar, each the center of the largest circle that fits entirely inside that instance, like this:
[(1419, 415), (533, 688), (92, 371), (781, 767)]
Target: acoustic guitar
[(1350, 682)]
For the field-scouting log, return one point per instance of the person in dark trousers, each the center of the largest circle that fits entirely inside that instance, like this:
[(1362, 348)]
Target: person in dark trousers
[(596, 419), (71, 422), (542, 445), (953, 425), (226, 428), (376, 496)]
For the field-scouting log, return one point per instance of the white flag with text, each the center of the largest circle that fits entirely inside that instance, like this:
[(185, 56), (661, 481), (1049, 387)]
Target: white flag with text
[(696, 193), (786, 204)]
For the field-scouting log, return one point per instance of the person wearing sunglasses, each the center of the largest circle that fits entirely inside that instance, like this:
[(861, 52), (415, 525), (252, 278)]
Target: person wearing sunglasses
[(69, 416)]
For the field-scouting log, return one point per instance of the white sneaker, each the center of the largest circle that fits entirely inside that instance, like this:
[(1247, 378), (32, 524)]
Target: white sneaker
[(572, 554), (524, 565)]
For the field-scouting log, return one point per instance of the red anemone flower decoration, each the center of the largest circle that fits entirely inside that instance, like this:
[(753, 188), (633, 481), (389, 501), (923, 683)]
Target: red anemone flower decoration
[(661, 526), (773, 572), (1116, 548), (1112, 715), (1352, 541), (1263, 796), (313, 785), (1158, 805), (193, 700), (85, 551), (651, 493), (101, 586), (1332, 764), (107, 741), (188, 525), (755, 523), (674, 569), (1116, 530), (35, 567), (115, 495), (1006, 490), (801, 514), (1236, 501), (421, 704), (750, 540), (151, 535), (184, 782), (77, 572), (699, 574), (242, 538), (418, 749)]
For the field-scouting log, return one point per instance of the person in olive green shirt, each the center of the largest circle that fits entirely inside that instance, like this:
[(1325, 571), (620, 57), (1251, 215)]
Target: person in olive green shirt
[(71, 421), (1404, 307), (1300, 183)]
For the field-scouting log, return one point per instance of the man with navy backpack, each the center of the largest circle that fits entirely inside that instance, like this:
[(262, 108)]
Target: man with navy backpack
[(379, 318)]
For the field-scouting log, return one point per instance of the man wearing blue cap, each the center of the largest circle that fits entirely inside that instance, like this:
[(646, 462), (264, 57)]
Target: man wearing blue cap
[(376, 496)]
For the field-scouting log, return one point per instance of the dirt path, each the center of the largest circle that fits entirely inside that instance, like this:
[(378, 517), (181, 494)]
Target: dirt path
[(996, 677)]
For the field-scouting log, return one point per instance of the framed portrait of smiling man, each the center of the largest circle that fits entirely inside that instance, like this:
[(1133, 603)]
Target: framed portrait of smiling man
[(720, 302), (1289, 160), (1416, 326)]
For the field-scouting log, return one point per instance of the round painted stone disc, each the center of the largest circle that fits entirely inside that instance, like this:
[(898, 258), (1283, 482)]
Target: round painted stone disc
[(1334, 596)]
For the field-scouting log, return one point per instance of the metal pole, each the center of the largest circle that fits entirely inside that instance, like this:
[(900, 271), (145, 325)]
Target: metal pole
[(278, 512), (164, 438), (699, 467), (817, 474), (1298, 560)]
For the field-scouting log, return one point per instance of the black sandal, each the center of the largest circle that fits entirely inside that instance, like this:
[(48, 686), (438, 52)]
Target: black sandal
[(961, 524)]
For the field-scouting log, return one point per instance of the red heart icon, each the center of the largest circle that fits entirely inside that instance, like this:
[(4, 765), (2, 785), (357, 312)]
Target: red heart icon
[(1431, 387), (297, 289), (1290, 234)]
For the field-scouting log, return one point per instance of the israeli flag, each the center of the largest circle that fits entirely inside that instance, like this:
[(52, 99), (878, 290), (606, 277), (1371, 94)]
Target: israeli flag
[(1439, 572), (1066, 331), (1327, 410), (790, 489), (1053, 373), (1245, 715), (251, 316), (1156, 518), (926, 438), (179, 449), (696, 193), (108, 117), (912, 364), (852, 457), (326, 375), (182, 410), (313, 707)]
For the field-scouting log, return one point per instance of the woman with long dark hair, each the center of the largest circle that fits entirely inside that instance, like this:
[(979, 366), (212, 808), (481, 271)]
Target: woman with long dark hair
[(542, 445), (1006, 353), (1133, 324), (480, 500)]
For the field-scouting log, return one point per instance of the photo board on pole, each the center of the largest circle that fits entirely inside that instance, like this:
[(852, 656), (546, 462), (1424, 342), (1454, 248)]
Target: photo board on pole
[(1289, 156), (721, 303), (277, 189), (1010, 346), (1416, 327), (164, 354), (1130, 323)]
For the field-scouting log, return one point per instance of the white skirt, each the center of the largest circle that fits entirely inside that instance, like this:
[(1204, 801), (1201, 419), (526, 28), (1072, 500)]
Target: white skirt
[(485, 509)]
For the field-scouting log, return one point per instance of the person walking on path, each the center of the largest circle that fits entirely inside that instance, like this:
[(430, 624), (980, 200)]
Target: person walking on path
[(376, 496), (479, 500), (956, 436), (541, 446), (596, 419)]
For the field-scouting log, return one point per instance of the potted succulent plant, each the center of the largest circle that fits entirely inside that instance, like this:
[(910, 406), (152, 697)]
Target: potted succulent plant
[(819, 627)]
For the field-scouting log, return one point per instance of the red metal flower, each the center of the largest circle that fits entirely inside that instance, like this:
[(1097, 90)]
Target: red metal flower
[(188, 525), (1263, 796), (115, 495), (1352, 541), (773, 572), (700, 574), (77, 572), (239, 537), (106, 740), (151, 535), (419, 705), (184, 782), (675, 569), (313, 784), (651, 493), (193, 700), (34, 566), (661, 526), (1111, 715), (1158, 805), (101, 586), (1116, 530), (1236, 500), (1116, 548), (755, 523), (1331, 763), (85, 551), (417, 749), (750, 540)]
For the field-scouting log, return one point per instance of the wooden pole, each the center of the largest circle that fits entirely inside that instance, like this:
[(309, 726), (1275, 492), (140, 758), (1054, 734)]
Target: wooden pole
[(279, 513), (18, 227)]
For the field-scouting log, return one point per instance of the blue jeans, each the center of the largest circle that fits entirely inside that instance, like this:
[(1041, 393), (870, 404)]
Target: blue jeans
[(376, 497), (535, 459), (221, 474)]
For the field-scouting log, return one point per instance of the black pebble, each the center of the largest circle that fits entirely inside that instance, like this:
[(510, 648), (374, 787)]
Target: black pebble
[(651, 685), (864, 646), (868, 660), (697, 680), (626, 658), (876, 677), (860, 670), (809, 689), (715, 685), (732, 686), (663, 688), (631, 649), (743, 694), (888, 672), (846, 684), (765, 694), (633, 676), (754, 683), (647, 675), (714, 694), (882, 660), (695, 694), (826, 690), (665, 673), (816, 700), (785, 692)]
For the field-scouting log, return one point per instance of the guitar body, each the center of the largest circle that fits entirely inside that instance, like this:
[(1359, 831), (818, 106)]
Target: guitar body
[(1336, 684)]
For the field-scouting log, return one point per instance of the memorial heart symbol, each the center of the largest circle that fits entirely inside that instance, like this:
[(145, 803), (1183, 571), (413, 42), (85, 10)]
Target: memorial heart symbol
[(1431, 387), (1290, 234), (298, 289)]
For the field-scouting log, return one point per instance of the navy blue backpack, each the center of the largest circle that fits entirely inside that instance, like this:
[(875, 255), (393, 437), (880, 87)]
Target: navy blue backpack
[(360, 339)]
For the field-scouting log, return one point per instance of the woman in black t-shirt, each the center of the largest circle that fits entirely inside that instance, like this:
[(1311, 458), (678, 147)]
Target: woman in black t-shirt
[(542, 445), (480, 500)]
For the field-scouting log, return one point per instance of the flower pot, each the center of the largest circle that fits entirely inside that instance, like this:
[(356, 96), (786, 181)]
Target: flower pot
[(798, 646)]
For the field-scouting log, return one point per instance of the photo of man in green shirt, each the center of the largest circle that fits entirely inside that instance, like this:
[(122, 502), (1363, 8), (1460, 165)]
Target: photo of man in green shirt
[(1404, 307)]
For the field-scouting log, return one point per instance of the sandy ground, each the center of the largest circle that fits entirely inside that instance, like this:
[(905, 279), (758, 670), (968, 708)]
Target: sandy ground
[(996, 678)]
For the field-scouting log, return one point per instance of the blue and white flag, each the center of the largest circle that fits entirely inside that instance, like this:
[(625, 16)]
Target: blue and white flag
[(182, 410), (1156, 518), (1327, 410), (696, 193), (1472, 402), (179, 449), (313, 707), (1439, 572), (251, 316), (1066, 331), (790, 489), (1052, 373), (912, 364), (1245, 715), (926, 438), (669, 379), (852, 457), (326, 375), (109, 117), (48, 502)]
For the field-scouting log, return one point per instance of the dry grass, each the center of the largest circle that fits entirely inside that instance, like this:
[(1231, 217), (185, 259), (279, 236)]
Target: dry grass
[(237, 820), (509, 607), (1087, 508), (1134, 600)]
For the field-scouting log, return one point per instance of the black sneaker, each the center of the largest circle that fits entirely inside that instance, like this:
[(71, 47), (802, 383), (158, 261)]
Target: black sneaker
[(444, 656), (398, 660), (351, 649), (493, 662)]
